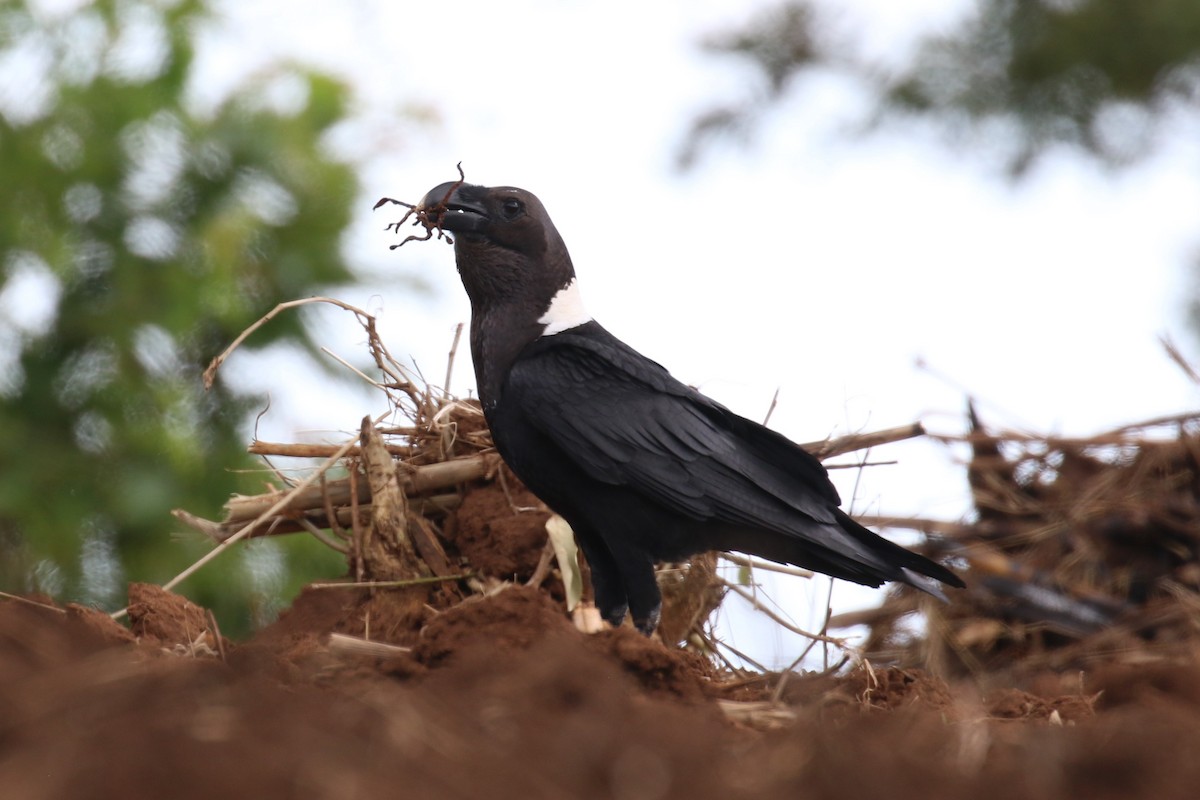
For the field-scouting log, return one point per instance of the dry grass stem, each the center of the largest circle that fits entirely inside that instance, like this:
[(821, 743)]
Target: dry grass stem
[(284, 499), (1081, 550), (778, 620), (28, 602), (768, 566), (344, 645), (397, 584)]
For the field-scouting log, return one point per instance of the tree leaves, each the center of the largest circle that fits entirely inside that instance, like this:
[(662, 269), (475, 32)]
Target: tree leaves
[(160, 232), (1093, 74)]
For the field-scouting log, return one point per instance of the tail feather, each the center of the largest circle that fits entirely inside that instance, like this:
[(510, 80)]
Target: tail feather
[(900, 564), (927, 585)]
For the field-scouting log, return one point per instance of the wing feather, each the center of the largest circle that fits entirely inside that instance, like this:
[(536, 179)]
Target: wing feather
[(624, 420)]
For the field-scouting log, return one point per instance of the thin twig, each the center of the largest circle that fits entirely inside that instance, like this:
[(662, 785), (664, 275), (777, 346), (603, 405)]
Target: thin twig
[(211, 373), (307, 450), (458, 329), (741, 655), (1176, 355), (393, 584), (861, 464), (353, 368), (216, 632), (245, 530), (414, 481), (356, 527), (27, 601), (335, 525), (283, 501), (935, 527), (787, 673), (342, 644), (771, 408), (713, 646), (320, 536), (769, 566), (758, 606), (542, 571), (860, 441)]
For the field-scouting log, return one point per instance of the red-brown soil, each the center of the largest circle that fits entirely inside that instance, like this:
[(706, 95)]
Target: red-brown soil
[(501, 697), (491, 692)]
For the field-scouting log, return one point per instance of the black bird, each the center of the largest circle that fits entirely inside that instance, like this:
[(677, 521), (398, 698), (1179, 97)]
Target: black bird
[(643, 467)]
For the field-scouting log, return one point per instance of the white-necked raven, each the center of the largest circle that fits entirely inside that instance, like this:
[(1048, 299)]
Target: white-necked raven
[(643, 467)]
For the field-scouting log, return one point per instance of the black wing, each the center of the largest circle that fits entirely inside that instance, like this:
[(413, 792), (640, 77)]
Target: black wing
[(625, 421)]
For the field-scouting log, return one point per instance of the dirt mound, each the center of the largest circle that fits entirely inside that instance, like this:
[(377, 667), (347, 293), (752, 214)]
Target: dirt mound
[(446, 664), (504, 698)]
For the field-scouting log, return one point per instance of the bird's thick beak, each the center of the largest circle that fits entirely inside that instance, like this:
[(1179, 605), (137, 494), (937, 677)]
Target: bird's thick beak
[(461, 211)]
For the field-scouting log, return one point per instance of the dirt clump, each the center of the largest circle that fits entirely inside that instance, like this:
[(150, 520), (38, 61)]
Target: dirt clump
[(501, 696), (501, 530), (470, 679), (508, 621)]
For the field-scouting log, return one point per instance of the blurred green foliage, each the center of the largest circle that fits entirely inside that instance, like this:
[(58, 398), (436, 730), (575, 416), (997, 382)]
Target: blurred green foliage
[(1028, 75), (1090, 74), (138, 237)]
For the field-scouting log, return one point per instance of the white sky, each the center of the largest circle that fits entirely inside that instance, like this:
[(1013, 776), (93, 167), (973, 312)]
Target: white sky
[(816, 262)]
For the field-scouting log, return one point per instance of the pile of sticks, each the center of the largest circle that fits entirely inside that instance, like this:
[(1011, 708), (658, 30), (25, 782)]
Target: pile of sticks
[(386, 497), (1080, 551)]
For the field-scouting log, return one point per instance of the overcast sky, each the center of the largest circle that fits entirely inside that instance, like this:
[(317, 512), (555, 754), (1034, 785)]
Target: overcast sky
[(817, 262)]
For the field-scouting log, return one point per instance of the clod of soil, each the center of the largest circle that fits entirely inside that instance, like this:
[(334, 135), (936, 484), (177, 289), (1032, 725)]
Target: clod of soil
[(501, 535)]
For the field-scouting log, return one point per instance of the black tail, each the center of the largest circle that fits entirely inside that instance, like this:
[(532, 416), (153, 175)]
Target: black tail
[(899, 564)]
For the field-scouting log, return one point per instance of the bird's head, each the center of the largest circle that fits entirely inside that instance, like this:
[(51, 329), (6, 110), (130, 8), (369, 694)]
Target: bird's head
[(505, 244)]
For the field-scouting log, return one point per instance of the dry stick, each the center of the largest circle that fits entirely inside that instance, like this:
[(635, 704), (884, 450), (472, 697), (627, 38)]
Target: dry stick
[(742, 656), (245, 530), (211, 372), (826, 448), (427, 477), (448, 473), (281, 503), (829, 591), (542, 570), (216, 631), (393, 584), (1175, 355), (320, 536), (1155, 422), (866, 616), (353, 369), (26, 600), (458, 329), (771, 408), (356, 527), (861, 441), (1116, 436), (335, 525), (337, 520), (302, 450), (342, 644), (861, 464), (754, 563), (758, 714), (787, 673), (383, 359), (758, 606), (714, 647), (936, 527)]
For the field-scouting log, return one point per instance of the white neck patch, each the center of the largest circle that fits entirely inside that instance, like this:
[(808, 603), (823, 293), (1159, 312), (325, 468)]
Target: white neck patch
[(566, 310)]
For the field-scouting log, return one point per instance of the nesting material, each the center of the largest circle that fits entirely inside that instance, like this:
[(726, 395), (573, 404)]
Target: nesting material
[(1080, 551)]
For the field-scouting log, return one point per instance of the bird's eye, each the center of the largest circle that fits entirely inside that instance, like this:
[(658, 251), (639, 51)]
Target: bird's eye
[(512, 208)]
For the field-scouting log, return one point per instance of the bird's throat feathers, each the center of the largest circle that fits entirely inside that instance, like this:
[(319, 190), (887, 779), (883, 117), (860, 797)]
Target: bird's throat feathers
[(565, 311), (517, 273), (497, 338)]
